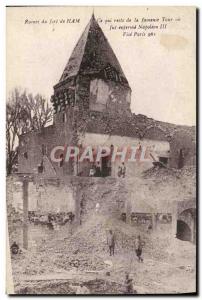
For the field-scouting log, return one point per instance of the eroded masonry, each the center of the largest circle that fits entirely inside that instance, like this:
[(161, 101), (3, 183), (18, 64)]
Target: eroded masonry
[(92, 107)]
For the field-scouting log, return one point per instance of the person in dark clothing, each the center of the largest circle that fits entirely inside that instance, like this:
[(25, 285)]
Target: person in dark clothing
[(71, 220), (111, 243), (138, 248), (14, 248), (50, 222), (150, 227), (123, 170), (50, 218)]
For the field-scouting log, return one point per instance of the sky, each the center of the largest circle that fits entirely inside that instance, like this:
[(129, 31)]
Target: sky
[(159, 69)]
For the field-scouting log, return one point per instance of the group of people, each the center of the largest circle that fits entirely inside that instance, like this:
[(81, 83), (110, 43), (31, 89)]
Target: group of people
[(139, 244)]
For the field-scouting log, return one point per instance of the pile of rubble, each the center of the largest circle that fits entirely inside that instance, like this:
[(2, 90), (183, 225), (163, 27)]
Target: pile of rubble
[(87, 247), (166, 173), (86, 251), (169, 186)]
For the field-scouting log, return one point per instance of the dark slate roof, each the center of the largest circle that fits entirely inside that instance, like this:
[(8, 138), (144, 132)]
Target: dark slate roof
[(92, 54)]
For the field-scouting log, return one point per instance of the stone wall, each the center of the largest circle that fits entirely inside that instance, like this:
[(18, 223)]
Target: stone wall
[(44, 195), (133, 169), (35, 147), (83, 92), (80, 195), (32, 145), (183, 148), (109, 96), (77, 195), (51, 197), (54, 196)]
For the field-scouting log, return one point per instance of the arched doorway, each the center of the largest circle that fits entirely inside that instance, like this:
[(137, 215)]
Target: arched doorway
[(183, 231), (186, 225)]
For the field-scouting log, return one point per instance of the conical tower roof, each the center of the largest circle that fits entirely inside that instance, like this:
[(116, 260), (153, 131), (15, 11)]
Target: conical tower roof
[(92, 54)]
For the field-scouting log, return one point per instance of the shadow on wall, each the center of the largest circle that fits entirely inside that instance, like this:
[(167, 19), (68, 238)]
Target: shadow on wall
[(183, 231)]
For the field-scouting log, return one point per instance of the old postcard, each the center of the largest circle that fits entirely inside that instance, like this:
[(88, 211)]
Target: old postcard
[(101, 150)]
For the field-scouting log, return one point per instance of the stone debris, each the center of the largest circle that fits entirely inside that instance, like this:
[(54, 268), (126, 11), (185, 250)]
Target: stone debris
[(169, 264), (108, 263), (84, 252)]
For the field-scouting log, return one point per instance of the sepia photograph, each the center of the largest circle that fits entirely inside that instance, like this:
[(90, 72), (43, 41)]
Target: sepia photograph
[(101, 150)]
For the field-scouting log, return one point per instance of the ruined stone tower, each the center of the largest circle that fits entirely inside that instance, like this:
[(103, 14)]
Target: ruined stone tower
[(93, 78)]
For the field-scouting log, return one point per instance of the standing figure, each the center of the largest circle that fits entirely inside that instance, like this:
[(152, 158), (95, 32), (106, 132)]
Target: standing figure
[(138, 248), (71, 225), (119, 171), (123, 170), (111, 242), (150, 227), (50, 221)]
